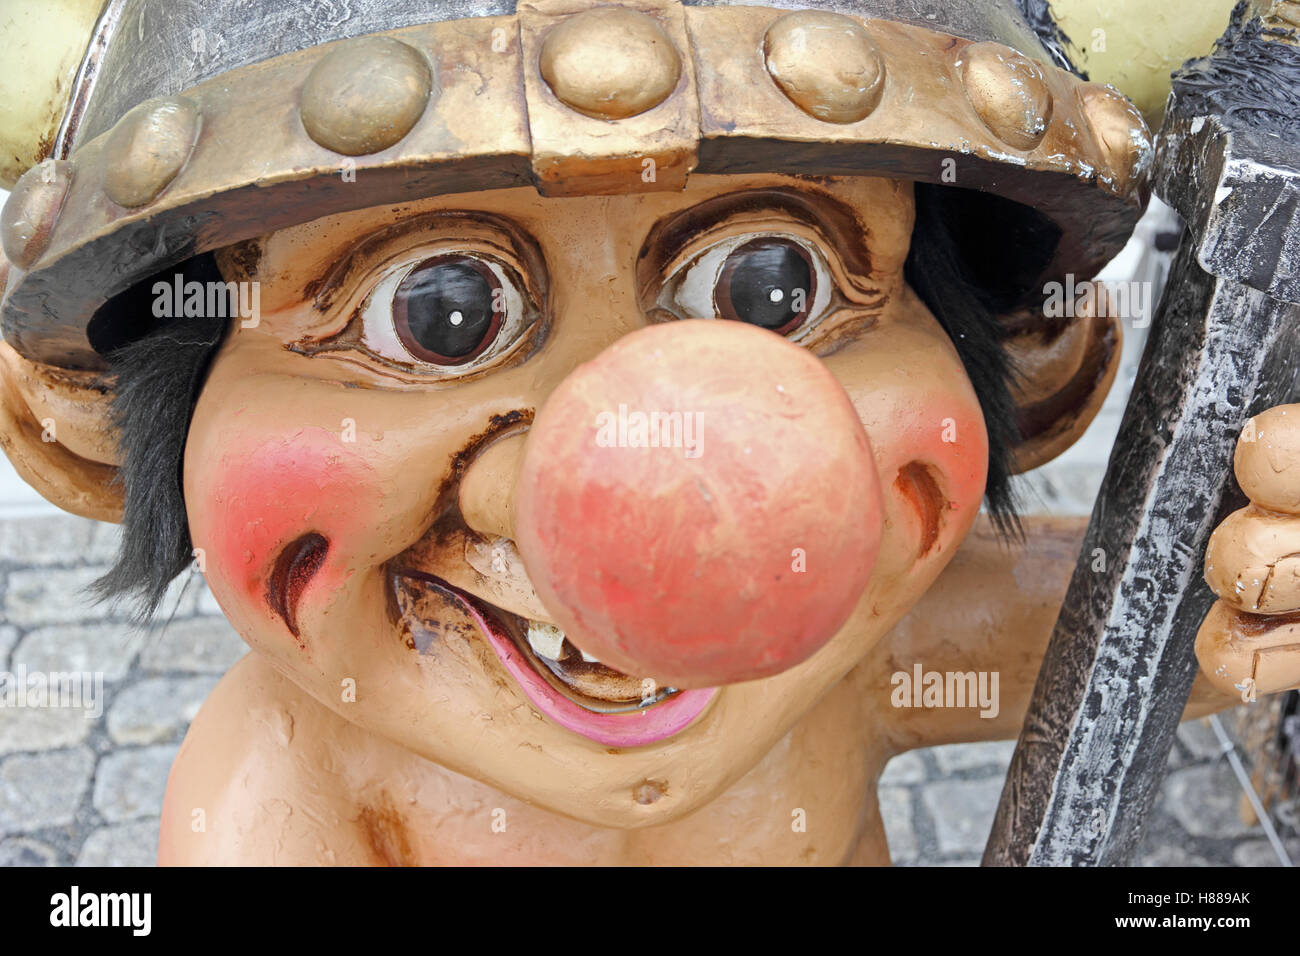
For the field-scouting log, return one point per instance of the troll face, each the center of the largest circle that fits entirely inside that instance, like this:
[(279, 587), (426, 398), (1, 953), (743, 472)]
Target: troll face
[(620, 376), (356, 462)]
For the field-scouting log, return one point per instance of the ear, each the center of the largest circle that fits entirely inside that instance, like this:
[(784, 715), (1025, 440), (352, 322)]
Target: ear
[(55, 426), (1065, 369)]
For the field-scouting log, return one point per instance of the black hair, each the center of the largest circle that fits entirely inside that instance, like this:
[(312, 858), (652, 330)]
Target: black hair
[(964, 279), (975, 256), (159, 372)]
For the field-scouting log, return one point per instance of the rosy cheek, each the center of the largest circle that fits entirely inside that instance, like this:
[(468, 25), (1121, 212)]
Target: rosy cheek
[(283, 516), (952, 438), (938, 431)]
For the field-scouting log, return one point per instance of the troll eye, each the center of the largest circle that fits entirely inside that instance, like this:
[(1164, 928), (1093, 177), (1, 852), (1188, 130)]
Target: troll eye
[(450, 311), (776, 282)]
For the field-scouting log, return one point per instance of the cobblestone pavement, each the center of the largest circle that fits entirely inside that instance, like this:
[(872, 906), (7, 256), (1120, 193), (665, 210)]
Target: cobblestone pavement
[(88, 791), (938, 805), (79, 790)]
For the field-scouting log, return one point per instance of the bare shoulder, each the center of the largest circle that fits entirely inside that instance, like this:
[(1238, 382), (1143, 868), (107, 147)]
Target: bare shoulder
[(247, 787)]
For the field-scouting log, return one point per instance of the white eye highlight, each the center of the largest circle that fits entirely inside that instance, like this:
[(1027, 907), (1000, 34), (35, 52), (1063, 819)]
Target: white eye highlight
[(773, 280)]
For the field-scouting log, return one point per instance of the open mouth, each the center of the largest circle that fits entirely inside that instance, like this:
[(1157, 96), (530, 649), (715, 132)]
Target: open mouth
[(574, 689)]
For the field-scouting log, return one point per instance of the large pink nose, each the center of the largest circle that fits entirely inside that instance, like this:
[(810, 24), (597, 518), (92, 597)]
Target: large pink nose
[(699, 504)]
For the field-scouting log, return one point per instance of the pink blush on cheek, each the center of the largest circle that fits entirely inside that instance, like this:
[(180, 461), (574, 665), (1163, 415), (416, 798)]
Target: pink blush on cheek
[(962, 447), (947, 434), (270, 495)]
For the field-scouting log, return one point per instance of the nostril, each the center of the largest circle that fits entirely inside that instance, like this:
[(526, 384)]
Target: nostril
[(916, 484)]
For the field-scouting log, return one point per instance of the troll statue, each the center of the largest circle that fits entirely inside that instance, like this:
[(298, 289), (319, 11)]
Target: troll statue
[(585, 412)]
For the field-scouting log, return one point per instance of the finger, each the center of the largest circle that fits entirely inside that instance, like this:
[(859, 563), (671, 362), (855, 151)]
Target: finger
[(1252, 561), (1245, 654), (1267, 460)]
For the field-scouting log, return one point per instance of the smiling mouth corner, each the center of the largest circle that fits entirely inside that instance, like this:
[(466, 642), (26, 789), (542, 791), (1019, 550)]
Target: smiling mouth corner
[(294, 568)]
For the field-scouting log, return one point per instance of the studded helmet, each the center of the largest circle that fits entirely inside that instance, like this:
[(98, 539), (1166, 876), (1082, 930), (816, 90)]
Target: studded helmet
[(195, 126)]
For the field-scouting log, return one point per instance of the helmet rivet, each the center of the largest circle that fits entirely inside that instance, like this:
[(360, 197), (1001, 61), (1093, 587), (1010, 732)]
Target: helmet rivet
[(1121, 132), (1008, 92), (826, 64), (32, 210), (365, 95), (147, 148), (610, 62)]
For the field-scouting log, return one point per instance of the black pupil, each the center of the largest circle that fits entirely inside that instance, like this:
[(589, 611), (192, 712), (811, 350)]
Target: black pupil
[(766, 282), (446, 308)]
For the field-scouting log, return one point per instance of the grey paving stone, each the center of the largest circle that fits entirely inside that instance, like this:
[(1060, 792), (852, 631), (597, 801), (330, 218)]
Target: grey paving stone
[(896, 811), (201, 645), (130, 783), (21, 851), (905, 768), (962, 811), (1261, 853), (1199, 737), (51, 596), (1206, 801), (155, 708), (122, 844), (8, 638), (994, 755), (43, 790), (1171, 854), (47, 539), (104, 541), (97, 648), (42, 728)]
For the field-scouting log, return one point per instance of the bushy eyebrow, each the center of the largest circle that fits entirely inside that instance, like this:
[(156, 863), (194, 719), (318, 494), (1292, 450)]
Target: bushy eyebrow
[(818, 210), (321, 288)]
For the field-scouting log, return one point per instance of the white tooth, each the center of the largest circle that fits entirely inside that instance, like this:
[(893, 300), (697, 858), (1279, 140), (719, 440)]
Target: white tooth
[(588, 658), (545, 639)]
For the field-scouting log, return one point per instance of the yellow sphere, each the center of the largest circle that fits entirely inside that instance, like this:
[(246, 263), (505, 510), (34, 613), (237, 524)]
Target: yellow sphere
[(42, 43), (1135, 44)]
